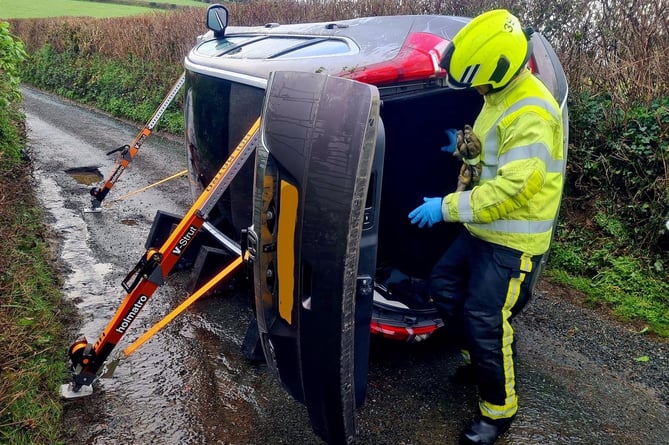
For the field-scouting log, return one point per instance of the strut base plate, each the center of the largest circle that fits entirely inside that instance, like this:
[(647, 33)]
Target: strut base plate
[(67, 391)]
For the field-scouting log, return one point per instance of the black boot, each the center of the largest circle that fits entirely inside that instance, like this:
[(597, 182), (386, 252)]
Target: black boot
[(485, 431)]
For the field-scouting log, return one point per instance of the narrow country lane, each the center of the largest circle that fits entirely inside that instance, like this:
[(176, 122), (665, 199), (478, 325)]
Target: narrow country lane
[(579, 378)]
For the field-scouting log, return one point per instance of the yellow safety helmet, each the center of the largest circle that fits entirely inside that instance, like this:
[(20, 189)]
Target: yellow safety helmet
[(489, 50)]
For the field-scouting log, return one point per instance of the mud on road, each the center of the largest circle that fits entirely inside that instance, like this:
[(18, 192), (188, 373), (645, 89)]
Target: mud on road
[(579, 378)]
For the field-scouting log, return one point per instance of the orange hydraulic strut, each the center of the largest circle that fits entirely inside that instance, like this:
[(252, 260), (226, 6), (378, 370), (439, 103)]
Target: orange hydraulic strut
[(150, 272), (128, 152), (206, 287), (110, 366)]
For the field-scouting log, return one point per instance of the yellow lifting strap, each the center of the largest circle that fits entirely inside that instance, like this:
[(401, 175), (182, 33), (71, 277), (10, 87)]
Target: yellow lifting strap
[(133, 193), (183, 306)]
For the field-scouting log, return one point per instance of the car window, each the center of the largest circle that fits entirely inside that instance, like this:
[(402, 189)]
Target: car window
[(217, 47), (321, 48), (280, 47)]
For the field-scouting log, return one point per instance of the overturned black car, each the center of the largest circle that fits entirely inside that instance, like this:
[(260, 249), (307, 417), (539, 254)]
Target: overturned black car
[(353, 115)]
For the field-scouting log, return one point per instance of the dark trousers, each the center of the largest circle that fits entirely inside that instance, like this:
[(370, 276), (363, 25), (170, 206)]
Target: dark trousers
[(478, 287)]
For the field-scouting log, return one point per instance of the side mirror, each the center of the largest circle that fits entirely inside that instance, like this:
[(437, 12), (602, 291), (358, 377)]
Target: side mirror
[(217, 19)]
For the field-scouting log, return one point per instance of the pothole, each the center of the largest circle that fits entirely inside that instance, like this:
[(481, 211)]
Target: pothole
[(85, 175)]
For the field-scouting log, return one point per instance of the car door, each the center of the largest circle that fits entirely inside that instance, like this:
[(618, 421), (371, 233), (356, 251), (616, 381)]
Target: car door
[(313, 306)]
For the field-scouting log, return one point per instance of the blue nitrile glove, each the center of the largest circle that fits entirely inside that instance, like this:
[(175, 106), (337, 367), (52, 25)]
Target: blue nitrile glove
[(428, 213), (452, 134)]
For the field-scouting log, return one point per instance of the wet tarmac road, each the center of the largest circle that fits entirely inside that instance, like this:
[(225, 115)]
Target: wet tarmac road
[(579, 382)]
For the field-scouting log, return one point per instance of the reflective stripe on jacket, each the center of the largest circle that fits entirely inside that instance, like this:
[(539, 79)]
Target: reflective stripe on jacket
[(518, 197)]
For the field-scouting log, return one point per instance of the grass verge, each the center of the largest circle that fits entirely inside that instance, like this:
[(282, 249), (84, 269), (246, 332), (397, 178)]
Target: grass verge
[(631, 289), (20, 9), (32, 359)]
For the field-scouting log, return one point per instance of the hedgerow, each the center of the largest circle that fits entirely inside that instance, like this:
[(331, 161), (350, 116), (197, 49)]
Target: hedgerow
[(12, 54)]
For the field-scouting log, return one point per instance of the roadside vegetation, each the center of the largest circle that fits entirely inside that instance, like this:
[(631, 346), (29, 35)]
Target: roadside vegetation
[(612, 243), (32, 332)]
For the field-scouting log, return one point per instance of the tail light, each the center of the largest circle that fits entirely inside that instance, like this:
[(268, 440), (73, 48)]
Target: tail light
[(418, 59)]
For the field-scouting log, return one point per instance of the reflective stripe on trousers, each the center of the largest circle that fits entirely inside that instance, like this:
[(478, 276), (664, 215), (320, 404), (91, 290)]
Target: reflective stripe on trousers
[(478, 287)]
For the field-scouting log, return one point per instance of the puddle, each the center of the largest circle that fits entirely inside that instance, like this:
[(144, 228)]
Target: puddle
[(85, 175), (129, 222)]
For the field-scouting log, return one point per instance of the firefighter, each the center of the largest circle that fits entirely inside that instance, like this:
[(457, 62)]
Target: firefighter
[(483, 279)]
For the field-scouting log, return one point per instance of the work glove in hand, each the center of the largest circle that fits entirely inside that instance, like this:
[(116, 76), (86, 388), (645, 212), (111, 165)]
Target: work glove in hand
[(468, 144), (452, 134), (464, 178), (469, 150), (428, 213)]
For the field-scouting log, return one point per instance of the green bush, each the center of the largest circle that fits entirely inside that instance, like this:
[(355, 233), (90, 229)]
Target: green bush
[(612, 242), (619, 161), (106, 84), (11, 55)]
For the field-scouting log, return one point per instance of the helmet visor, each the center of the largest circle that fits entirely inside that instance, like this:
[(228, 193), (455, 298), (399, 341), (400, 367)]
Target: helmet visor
[(467, 77)]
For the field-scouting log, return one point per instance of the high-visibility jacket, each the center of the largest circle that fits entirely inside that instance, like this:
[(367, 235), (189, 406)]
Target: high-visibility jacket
[(518, 196)]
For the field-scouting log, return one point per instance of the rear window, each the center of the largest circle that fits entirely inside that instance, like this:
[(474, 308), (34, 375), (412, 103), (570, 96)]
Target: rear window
[(275, 47)]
